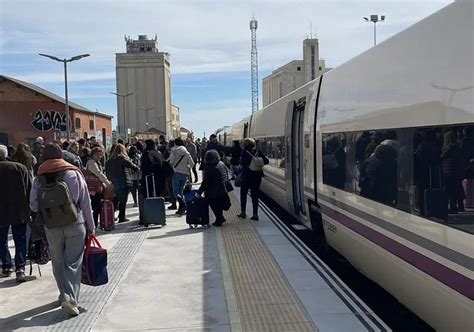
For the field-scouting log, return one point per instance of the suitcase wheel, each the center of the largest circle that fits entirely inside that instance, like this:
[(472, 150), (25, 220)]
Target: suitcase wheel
[(147, 225), (191, 226)]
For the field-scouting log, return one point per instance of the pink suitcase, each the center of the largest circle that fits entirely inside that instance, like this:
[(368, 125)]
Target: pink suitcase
[(468, 185), (107, 221)]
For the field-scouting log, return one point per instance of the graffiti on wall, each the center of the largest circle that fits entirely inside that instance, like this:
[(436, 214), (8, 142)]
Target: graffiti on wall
[(49, 120)]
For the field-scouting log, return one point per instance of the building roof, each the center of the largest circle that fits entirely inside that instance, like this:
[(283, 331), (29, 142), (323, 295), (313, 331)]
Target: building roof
[(54, 96)]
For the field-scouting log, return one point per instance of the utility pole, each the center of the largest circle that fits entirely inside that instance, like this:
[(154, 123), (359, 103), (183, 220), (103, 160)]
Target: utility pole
[(254, 65), (125, 123), (147, 109), (66, 107)]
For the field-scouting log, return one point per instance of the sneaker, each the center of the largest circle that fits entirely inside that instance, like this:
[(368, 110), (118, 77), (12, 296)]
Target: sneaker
[(242, 215), (254, 217), (7, 272), (20, 275), (70, 309)]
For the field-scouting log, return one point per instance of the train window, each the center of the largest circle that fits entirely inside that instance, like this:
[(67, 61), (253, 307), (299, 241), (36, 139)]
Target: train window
[(443, 175), (424, 171), (334, 160), (274, 149)]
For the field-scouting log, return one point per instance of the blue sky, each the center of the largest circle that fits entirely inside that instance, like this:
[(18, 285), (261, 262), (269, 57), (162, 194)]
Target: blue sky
[(209, 43)]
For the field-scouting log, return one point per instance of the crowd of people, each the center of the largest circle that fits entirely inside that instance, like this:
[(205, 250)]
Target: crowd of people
[(52, 195)]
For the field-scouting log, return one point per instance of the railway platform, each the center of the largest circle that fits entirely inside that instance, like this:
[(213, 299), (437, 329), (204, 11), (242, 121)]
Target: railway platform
[(243, 276)]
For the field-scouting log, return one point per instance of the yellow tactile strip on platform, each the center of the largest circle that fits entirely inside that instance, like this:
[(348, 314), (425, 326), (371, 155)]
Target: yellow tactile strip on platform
[(265, 300)]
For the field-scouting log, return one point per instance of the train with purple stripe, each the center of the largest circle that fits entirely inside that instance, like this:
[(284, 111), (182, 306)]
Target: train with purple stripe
[(378, 154)]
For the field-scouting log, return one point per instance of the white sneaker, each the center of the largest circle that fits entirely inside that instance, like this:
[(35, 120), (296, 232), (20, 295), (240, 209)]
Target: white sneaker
[(71, 309)]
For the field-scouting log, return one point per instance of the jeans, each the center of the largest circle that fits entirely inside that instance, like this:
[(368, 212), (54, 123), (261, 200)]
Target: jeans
[(179, 180), (67, 248), (19, 238)]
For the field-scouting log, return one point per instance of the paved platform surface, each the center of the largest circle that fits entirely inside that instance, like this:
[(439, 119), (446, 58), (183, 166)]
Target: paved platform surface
[(244, 276)]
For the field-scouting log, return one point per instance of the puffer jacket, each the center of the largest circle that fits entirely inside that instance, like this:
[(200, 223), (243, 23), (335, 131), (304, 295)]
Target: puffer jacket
[(185, 164)]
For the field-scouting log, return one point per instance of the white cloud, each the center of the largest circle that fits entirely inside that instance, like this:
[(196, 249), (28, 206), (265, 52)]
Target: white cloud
[(47, 77)]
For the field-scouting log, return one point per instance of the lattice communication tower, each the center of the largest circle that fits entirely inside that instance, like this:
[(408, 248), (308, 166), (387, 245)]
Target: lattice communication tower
[(254, 65)]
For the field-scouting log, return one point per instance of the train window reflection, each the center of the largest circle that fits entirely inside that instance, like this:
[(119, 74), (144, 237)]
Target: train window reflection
[(274, 149), (425, 171)]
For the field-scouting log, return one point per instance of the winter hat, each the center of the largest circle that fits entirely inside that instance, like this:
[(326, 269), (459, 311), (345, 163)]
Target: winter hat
[(52, 151)]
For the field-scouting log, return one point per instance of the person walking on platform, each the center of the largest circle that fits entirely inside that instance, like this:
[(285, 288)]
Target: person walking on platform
[(66, 225), (15, 213), (191, 147), (151, 164), (24, 156), (95, 167), (252, 161), (214, 144), (118, 170), (135, 156), (182, 163), (236, 153), (213, 186)]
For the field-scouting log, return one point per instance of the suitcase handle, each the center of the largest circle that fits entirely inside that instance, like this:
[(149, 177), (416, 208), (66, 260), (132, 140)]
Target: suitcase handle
[(146, 184)]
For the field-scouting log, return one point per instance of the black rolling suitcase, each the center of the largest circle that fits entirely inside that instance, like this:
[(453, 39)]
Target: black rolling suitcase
[(197, 213), (436, 201), (153, 207)]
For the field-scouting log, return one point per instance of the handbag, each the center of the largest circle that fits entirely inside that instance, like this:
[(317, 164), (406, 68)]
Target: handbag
[(109, 192), (238, 180), (94, 264), (228, 185), (257, 163), (93, 182), (167, 169)]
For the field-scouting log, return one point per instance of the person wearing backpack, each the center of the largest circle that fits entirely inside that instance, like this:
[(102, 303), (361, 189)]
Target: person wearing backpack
[(182, 163), (252, 161), (60, 197)]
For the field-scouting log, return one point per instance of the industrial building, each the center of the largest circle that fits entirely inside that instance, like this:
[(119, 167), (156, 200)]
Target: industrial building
[(294, 74), (143, 77), (28, 111)]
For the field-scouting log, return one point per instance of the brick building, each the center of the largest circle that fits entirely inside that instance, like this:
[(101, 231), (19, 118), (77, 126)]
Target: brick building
[(28, 111)]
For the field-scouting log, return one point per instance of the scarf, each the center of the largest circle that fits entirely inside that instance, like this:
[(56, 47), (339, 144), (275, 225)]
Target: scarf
[(56, 165)]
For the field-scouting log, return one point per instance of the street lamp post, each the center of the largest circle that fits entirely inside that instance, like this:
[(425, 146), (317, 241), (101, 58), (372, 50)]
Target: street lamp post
[(65, 61), (123, 96), (374, 19), (147, 109)]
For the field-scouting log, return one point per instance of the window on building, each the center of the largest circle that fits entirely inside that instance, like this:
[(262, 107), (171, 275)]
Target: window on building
[(298, 68), (91, 124), (425, 171), (78, 123)]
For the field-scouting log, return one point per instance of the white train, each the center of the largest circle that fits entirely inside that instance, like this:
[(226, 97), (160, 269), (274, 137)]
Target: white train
[(371, 153)]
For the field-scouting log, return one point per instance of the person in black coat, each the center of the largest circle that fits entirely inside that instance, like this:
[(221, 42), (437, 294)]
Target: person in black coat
[(151, 164), (118, 169), (236, 152), (213, 186), (215, 145), (251, 179)]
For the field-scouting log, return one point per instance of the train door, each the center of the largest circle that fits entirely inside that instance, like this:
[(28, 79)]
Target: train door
[(294, 147)]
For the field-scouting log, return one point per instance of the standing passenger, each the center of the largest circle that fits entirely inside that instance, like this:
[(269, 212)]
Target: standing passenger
[(66, 241), (251, 177), (182, 163), (118, 170), (16, 185), (95, 167), (191, 147)]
